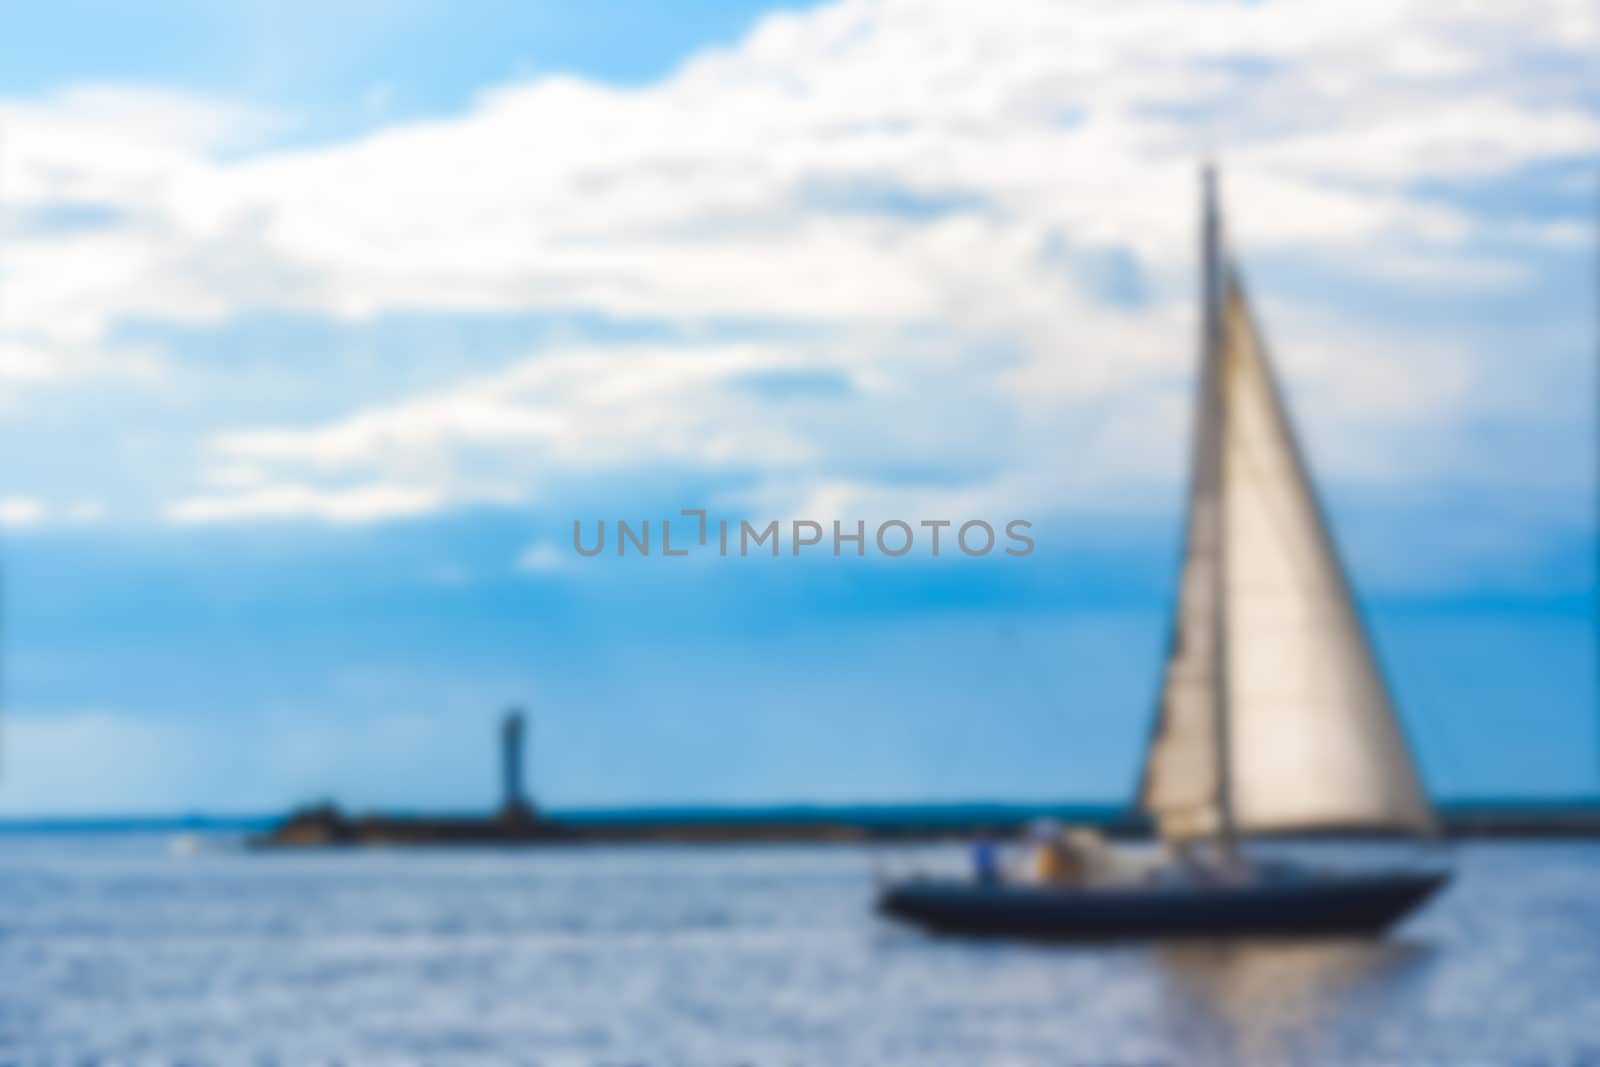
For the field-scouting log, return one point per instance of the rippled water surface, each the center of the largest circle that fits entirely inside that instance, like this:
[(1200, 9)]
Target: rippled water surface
[(124, 949)]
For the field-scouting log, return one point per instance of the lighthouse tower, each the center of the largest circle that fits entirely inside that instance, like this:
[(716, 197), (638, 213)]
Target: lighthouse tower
[(514, 804)]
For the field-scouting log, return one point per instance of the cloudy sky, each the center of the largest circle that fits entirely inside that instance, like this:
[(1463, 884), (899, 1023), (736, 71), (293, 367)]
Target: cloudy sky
[(319, 325)]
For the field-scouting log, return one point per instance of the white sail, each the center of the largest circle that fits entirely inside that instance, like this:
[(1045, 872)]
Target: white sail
[(1274, 714), (1312, 739), (1182, 781)]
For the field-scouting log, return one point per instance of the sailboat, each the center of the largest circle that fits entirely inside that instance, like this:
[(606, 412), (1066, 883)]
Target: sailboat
[(1274, 715)]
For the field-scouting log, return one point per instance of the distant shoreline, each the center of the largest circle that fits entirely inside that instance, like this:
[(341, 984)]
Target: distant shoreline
[(796, 823)]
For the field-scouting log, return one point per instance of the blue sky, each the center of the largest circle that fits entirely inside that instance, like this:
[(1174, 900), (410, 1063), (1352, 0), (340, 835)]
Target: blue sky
[(320, 325)]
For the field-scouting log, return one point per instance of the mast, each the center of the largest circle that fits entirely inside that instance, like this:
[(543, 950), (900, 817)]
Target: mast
[(1212, 379)]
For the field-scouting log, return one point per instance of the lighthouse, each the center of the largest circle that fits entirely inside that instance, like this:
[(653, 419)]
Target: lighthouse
[(514, 805)]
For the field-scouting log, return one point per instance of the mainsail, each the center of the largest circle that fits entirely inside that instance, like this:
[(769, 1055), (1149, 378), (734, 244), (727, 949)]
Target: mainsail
[(1274, 713)]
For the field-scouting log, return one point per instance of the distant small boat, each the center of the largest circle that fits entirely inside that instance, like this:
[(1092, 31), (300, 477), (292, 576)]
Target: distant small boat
[(1275, 718)]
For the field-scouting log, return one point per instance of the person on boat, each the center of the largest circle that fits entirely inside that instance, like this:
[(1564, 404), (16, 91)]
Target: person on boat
[(985, 860), (1054, 861), (1071, 856)]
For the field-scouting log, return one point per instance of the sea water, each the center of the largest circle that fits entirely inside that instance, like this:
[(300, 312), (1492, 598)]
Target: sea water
[(142, 949)]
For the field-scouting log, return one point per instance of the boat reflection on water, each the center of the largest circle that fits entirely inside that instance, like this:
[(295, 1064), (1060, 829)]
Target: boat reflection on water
[(1230, 1001)]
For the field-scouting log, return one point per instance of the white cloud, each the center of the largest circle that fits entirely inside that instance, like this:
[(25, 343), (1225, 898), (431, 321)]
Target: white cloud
[(280, 502), (878, 171), (540, 559), (22, 512), (23, 363), (18, 512), (579, 410), (691, 197)]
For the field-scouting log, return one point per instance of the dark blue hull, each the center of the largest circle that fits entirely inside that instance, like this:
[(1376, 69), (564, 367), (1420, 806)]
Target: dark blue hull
[(1312, 905)]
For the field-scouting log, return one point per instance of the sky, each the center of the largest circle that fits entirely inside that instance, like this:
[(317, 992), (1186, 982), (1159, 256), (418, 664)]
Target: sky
[(321, 324)]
